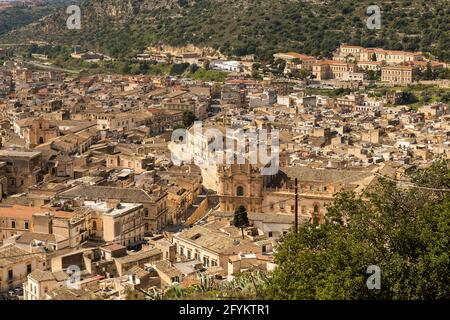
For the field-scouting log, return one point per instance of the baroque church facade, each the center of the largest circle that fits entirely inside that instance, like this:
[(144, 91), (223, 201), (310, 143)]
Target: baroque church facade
[(243, 185)]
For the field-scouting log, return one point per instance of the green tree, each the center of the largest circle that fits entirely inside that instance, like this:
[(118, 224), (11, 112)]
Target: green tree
[(206, 64), (188, 119), (278, 66), (241, 219), (407, 98), (256, 75), (178, 68), (193, 68), (403, 231), (428, 74)]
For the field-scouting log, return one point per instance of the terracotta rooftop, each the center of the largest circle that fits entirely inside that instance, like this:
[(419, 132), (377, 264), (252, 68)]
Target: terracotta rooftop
[(11, 254)]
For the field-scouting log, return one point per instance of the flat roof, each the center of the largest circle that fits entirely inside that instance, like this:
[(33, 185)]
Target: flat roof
[(116, 211), (19, 154)]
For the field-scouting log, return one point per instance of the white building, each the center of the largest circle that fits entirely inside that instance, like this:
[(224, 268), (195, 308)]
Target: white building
[(230, 66), (352, 76)]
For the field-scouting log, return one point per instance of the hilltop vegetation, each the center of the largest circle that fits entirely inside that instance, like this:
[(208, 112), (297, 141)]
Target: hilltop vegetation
[(236, 27), (15, 17)]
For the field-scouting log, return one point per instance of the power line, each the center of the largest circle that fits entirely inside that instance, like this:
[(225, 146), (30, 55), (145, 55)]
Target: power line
[(410, 185)]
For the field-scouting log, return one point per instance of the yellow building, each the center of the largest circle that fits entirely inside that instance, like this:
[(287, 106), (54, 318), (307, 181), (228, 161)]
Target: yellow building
[(305, 62), (399, 74), (15, 265), (121, 223), (15, 220), (331, 69)]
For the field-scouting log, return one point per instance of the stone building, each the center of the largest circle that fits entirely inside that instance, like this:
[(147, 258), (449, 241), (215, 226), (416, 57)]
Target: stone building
[(243, 185), (23, 169), (15, 265), (38, 131), (399, 74), (154, 204), (240, 185)]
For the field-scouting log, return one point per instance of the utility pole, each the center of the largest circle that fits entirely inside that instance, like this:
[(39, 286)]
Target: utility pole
[(296, 205)]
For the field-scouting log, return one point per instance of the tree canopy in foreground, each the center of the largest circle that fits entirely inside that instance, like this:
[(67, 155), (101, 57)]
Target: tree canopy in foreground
[(403, 231)]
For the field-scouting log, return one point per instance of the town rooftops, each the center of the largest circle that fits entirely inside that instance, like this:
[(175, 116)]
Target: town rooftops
[(28, 237), (148, 254), (166, 267), (402, 68), (40, 276), (11, 254), (18, 154), (344, 45), (129, 195), (214, 240), (137, 271), (117, 210), (295, 55), (67, 293), (113, 247), (325, 175), (23, 212), (370, 62)]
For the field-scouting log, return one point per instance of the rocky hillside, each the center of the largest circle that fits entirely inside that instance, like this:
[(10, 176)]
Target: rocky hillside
[(14, 16), (123, 27)]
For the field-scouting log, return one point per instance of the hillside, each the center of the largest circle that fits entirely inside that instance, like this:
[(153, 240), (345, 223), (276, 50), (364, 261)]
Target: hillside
[(123, 27), (14, 16)]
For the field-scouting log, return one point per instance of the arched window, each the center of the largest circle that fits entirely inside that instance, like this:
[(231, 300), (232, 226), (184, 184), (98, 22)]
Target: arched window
[(240, 191), (146, 226), (316, 209), (315, 215), (41, 140), (94, 225)]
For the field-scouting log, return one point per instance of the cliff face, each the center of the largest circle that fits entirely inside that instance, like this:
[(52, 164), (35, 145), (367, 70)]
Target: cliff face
[(128, 8)]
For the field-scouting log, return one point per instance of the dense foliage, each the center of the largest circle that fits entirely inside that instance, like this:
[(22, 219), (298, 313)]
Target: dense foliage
[(122, 28), (240, 219), (17, 16), (403, 231)]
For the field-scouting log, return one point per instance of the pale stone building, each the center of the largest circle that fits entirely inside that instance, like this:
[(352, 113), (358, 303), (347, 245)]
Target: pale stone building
[(121, 223), (399, 74), (15, 265)]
